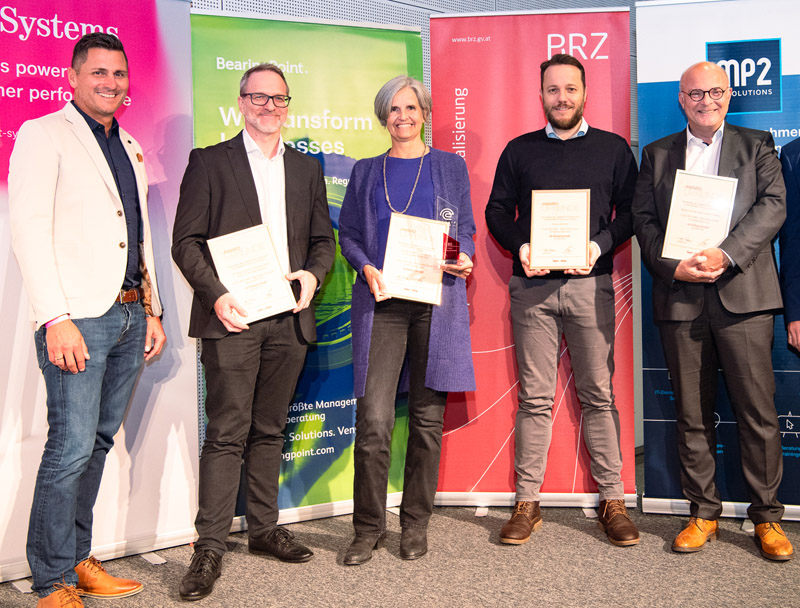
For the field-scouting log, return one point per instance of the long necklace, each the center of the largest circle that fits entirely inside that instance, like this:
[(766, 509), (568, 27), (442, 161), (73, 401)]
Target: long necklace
[(416, 181)]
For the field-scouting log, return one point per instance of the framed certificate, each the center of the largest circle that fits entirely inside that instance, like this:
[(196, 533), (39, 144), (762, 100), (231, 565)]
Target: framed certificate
[(248, 266), (699, 213), (559, 229), (412, 266)]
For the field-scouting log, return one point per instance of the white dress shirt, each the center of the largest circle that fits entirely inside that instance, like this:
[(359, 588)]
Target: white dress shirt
[(270, 179), (702, 157)]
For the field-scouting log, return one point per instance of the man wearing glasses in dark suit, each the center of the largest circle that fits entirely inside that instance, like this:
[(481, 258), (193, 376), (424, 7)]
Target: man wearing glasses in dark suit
[(251, 368)]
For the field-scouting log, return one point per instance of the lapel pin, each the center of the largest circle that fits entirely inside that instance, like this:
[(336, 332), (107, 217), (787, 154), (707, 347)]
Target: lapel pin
[(139, 157)]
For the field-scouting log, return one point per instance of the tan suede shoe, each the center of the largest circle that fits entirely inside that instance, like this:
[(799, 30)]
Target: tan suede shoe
[(94, 581), (694, 536), (774, 544), (526, 518), (64, 596)]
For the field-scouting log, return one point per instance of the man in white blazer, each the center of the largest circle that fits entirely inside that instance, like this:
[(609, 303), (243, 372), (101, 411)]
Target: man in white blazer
[(80, 232)]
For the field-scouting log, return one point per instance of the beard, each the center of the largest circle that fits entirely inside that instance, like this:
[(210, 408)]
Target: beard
[(565, 124)]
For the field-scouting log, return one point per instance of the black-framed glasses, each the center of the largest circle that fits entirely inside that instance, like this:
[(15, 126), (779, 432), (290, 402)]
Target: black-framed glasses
[(699, 94), (262, 99)]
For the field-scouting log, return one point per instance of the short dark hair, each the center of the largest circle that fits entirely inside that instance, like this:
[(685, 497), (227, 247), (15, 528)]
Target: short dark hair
[(261, 67), (95, 40), (561, 59)]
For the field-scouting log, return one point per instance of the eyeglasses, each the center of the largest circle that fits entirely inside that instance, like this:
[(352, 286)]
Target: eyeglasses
[(262, 99), (699, 94)]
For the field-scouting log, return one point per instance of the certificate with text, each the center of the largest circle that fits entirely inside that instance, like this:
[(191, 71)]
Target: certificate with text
[(699, 214), (559, 229), (248, 266), (412, 266)]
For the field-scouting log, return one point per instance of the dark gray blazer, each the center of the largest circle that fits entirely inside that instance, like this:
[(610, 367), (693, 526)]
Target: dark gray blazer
[(758, 213), (218, 196)]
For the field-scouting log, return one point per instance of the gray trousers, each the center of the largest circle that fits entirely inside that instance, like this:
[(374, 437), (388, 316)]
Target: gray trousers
[(741, 344), (582, 309)]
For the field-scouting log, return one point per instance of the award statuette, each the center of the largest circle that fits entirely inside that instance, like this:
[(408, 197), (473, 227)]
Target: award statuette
[(559, 229), (699, 213), (412, 266), (248, 266), (445, 212)]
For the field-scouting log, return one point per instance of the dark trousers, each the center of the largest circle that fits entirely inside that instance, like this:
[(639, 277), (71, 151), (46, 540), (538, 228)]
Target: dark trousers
[(742, 346), (399, 326), (250, 380)]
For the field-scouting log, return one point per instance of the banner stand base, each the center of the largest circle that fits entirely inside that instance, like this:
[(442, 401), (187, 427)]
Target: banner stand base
[(676, 506), (506, 499), (23, 585)]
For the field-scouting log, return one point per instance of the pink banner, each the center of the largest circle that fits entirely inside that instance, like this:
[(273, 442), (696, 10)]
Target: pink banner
[(485, 76), (147, 498)]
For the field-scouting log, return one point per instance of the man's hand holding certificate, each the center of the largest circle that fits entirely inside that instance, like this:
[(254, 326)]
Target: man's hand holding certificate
[(248, 266), (559, 230), (699, 214)]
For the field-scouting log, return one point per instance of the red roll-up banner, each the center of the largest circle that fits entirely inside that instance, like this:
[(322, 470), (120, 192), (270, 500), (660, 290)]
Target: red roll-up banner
[(485, 87)]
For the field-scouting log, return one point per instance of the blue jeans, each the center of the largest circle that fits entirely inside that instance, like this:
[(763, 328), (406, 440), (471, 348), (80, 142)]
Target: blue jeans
[(84, 412)]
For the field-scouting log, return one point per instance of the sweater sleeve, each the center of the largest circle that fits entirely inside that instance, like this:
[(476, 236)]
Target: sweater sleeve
[(620, 229), (352, 238), (501, 210)]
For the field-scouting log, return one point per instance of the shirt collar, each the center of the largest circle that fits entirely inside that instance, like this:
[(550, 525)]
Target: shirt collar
[(580, 133), (94, 125), (251, 147), (692, 139)]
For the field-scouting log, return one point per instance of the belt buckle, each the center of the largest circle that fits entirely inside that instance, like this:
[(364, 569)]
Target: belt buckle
[(128, 295)]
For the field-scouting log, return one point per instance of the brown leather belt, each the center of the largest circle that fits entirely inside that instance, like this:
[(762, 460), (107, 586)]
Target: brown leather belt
[(131, 295)]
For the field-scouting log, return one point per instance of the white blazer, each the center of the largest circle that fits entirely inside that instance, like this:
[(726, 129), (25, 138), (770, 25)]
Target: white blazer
[(68, 228)]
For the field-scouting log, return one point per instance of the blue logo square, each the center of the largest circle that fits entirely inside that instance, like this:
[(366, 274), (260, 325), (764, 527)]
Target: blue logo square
[(754, 71)]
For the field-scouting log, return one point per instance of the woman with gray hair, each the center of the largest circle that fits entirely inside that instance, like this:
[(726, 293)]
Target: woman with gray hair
[(434, 340)]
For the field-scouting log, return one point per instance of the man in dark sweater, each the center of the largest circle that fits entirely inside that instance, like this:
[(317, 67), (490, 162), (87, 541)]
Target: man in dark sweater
[(578, 302)]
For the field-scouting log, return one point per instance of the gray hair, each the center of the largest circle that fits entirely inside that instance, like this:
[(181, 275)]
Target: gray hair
[(261, 67), (383, 100)]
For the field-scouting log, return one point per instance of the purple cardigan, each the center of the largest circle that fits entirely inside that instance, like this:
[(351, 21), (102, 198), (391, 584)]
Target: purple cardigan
[(450, 351)]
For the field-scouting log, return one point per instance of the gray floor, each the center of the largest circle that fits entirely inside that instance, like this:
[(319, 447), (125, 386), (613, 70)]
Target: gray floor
[(568, 562)]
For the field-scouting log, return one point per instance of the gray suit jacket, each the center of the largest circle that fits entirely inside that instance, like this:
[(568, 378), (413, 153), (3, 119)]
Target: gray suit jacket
[(218, 196), (758, 213)]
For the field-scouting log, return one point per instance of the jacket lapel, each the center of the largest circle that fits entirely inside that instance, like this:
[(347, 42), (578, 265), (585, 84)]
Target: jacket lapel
[(676, 158), (87, 139), (292, 193), (137, 162), (727, 156), (240, 166)]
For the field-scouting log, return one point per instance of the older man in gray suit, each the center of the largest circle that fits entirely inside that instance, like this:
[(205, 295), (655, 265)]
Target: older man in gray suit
[(715, 308)]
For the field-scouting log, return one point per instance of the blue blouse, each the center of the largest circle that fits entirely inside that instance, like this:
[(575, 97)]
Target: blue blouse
[(400, 176)]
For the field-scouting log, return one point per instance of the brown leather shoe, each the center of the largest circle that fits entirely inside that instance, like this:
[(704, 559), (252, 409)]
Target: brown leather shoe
[(94, 581), (526, 518), (694, 536), (774, 544), (612, 517), (64, 596)]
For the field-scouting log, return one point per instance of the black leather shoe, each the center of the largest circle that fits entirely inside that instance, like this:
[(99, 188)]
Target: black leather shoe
[(360, 550), (280, 543), (203, 572), (413, 543)]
